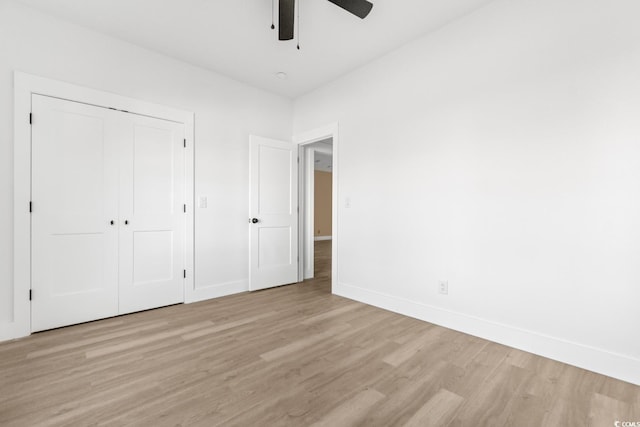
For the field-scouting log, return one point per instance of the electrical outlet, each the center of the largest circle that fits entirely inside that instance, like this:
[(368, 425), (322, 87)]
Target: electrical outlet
[(443, 287)]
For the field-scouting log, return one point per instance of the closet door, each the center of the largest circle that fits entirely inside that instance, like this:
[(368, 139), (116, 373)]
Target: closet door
[(152, 221), (74, 193)]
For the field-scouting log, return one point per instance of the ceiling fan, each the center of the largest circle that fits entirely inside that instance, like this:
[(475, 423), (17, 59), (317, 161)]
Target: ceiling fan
[(286, 14)]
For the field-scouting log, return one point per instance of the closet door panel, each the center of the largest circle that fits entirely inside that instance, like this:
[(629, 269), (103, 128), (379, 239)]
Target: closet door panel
[(74, 193), (151, 213)]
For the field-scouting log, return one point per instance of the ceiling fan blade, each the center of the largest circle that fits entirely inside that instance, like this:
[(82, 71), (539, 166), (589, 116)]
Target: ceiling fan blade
[(286, 16), (360, 8)]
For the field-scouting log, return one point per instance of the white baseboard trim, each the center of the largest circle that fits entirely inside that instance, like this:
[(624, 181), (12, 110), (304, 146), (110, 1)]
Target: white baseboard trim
[(615, 365), (216, 291), (14, 330), (316, 238)]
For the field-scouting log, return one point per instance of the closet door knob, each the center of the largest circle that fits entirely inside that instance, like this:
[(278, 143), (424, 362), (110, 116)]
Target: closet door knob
[(112, 222), (126, 222)]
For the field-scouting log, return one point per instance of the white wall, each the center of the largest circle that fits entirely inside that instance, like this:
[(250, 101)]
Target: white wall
[(503, 155), (226, 112)]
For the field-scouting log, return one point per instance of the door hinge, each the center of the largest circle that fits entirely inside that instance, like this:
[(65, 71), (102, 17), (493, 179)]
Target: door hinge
[(298, 159), (184, 274), (184, 208), (30, 118), (30, 294), (185, 143), (30, 206)]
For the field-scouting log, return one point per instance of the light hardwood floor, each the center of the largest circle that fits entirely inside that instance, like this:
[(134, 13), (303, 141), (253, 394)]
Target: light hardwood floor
[(294, 355)]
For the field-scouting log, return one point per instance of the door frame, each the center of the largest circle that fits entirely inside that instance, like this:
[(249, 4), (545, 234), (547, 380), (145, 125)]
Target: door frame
[(303, 139), (309, 206), (25, 85)]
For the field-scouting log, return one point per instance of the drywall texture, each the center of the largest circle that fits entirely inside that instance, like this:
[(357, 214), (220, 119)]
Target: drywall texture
[(226, 112), (322, 203), (502, 153)]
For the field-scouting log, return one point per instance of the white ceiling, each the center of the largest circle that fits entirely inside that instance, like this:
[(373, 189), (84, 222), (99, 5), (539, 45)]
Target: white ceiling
[(323, 162), (233, 37), (323, 155)]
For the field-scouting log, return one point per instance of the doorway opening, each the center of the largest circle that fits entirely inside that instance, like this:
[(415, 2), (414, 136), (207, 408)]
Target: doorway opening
[(317, 221)]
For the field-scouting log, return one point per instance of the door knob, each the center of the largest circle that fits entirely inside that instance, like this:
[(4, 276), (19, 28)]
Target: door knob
[(126, 222), (112, 222), (255, 220)]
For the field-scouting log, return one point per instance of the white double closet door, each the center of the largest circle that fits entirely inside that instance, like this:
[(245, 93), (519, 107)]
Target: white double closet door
[(108, 225)]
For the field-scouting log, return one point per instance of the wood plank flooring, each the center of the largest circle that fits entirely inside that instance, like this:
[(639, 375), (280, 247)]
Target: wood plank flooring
[(292, 356)]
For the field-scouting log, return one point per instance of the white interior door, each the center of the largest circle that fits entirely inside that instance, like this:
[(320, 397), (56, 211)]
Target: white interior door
[(74, 194), (108, 220), (273, 213), (152, 215)]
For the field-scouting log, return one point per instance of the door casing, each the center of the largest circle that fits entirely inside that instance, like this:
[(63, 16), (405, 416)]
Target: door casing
[(302, 139)]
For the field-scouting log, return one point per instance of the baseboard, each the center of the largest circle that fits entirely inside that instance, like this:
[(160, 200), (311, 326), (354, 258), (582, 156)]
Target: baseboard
[(13, 330), (614, 365), (316, 238), (216, 291)]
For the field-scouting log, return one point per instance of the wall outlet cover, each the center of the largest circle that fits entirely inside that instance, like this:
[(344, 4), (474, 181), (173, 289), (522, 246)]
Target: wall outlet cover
[(443, 287)]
